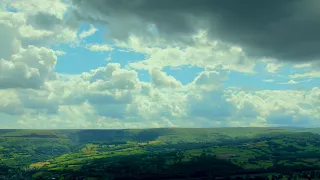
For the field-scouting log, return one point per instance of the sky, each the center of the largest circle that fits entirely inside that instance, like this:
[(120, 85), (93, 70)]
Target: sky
[(106, 64)]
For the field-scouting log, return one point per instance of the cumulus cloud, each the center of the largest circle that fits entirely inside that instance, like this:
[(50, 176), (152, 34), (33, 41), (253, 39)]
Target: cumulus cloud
[(289, 33), (113, 96), (211, 105), (283, 107), (205, 53), (25, 59), (56, 7), (27, 69), (161, 79), (40, 22), (10, 43), (10, 103), (209, 80)]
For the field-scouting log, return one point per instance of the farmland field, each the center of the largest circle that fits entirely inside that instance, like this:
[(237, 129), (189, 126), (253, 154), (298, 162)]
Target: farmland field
[(160, 153)]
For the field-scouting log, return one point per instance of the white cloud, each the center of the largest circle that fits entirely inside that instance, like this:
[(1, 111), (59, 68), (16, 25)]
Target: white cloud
[(290, 82), (30, 33), (25, 60), (210, 105), (10, 103), (268, 80), (273, 67), (210, 79), (313, 74), (40, 22), (112, 97), (306, 65), (89, 32), (205, 53), (60, 53), (161, 79), (9, 40), (289, 107), (52, 7), (33, 96), (27, 69), (99, 47), (71, 117)]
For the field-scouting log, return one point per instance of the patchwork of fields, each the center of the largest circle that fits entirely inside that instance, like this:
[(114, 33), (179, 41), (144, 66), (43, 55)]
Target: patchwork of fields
[(46, 153)]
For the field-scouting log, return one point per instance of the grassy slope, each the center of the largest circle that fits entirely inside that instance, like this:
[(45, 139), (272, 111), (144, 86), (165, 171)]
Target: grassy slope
[(70, 149)]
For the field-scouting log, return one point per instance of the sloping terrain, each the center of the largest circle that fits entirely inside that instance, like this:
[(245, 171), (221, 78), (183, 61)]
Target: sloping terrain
[(50, 153)]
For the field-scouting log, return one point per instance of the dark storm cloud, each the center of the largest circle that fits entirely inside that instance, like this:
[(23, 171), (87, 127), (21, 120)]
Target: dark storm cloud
[(282, 29), (47, 21), (44, 21)]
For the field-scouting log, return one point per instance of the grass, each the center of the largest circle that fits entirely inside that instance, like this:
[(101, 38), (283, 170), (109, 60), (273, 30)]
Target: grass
[(77, 158), (265, 164), (18, 147)]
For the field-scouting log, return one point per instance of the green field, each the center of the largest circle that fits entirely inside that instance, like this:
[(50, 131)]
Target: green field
[(150, 153)]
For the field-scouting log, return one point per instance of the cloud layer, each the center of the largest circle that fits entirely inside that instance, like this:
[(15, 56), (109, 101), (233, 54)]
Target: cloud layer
[(286, 30), (219, 38)]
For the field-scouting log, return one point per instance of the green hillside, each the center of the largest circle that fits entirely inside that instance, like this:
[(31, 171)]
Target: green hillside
[(52, 153)]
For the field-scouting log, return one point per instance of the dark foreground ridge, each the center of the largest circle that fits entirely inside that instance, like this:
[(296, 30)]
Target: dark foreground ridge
[(165, 153)]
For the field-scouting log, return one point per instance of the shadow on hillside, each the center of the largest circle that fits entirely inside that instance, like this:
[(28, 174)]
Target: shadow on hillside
[(121, 135), (165, 165)]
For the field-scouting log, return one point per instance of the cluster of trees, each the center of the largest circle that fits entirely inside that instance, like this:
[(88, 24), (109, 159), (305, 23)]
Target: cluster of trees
[(161, 165), (168, 161)]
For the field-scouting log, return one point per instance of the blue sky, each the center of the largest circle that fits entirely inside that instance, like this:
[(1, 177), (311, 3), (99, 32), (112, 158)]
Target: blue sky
[(88, 74), (87, 60)]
